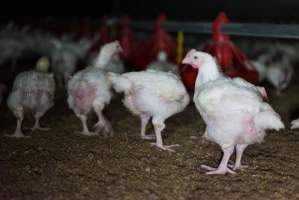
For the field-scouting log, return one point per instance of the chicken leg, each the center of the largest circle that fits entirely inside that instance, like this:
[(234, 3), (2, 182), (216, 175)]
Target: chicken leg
[(37, 126), (85, 131), (144, 122), (159, 126), (222, 168), (19, 113), (239, 152), (103, 124)]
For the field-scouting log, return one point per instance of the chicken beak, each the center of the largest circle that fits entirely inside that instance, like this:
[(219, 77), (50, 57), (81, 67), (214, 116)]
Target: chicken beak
[(186, 60)]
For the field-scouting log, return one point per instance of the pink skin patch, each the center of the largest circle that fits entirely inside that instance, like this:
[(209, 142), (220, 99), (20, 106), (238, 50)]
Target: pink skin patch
[(134, 97), (249, 125), (84, 98), (195, 66)]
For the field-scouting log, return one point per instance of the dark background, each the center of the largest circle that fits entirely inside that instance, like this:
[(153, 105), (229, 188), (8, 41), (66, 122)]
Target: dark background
[(196, 10)]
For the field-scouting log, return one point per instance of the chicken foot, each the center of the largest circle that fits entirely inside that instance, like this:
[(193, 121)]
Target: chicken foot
[(239, 153), (85, 131), (103, 124), (37, 126), (144, 122), (19, 113), (159, 126), (222, 168)]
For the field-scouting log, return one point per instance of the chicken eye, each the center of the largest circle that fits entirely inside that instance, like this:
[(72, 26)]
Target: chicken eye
[(195, 57)]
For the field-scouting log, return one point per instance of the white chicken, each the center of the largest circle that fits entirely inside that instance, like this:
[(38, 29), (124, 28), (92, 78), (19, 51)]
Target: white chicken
[(260, 66), (17, 44), (89, 89), (162, 64), (65, 57), (233, 110), (32, 91), (152, 94), (12, 47), (295, 124), (280, 73), (115, 65), (274, 64)]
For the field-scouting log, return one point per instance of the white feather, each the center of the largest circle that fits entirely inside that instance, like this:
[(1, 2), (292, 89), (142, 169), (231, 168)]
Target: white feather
[(295, 124)]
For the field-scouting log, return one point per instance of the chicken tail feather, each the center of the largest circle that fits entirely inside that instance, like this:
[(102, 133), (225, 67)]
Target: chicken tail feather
[(268, 119), (119, 82)]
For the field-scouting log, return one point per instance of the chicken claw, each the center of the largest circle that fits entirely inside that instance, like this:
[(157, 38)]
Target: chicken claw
[(17, 135), (221, 170), (236, 167), (105, 128), (39, 128), (166, 147), (148, 137), (87, 133)]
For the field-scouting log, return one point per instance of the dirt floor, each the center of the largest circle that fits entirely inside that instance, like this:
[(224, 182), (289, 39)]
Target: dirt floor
[(61, 164)]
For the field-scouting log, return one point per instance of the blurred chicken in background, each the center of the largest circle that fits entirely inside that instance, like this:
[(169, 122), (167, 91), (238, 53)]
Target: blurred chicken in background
[(65, 57), (162, 64)]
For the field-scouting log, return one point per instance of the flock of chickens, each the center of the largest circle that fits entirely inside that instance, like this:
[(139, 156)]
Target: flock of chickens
[(235, 111)]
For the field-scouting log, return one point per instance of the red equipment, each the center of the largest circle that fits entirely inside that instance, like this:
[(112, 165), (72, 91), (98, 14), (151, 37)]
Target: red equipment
[(126, 40), (149, 50), (232, 60), (161, 40)]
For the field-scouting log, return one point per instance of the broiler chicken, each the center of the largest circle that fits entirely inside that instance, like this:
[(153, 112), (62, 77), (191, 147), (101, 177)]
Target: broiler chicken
[(32, 91), (152, 94), (295, 124), (261, 67), (233, 110), (65, 57), (273, 63), (280, 73), (89, 89), (162, 64)]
